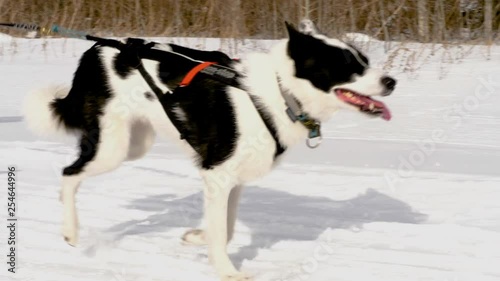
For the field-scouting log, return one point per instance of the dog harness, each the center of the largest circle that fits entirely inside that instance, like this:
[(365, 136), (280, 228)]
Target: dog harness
[(223, 74)]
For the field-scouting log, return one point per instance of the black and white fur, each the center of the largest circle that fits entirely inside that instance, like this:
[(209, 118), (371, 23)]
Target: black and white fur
[(238, 135)]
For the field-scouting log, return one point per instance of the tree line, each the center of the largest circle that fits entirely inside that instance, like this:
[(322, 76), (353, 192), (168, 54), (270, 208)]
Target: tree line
[(414, 20)]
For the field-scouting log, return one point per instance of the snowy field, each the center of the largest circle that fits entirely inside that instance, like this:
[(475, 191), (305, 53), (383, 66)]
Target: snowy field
[(416, 198)]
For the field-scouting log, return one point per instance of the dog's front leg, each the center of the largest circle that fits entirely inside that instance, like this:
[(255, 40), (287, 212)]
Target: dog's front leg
[(217, 199), (232, 210), (198, 236)]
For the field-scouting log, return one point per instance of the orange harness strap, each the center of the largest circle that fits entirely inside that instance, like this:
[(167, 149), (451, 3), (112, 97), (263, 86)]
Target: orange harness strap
[(192, 73)]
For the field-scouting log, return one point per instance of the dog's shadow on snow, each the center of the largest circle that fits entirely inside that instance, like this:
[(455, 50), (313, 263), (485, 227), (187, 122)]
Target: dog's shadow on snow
[(272, 216)]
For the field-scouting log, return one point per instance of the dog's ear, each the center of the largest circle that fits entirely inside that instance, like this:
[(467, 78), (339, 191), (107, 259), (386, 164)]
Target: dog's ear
[(306, 26), (296, 38), (292, 32), (299, 45)]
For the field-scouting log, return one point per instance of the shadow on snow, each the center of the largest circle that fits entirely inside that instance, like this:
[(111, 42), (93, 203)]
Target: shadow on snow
[(272, 216)]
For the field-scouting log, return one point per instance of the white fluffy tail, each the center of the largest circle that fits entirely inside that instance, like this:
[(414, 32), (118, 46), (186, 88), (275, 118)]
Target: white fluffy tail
[(39, 114)]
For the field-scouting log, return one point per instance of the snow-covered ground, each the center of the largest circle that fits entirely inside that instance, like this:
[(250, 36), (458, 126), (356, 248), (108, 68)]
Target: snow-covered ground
[(416, 198)]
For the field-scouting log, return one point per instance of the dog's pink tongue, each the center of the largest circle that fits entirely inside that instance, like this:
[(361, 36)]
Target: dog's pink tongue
[(386, 113)]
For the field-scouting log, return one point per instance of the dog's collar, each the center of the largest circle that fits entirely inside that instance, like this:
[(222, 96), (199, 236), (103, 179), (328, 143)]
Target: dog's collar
[(295, 113)]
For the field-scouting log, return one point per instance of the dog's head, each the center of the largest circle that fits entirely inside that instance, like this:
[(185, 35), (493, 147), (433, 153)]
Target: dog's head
[(339, 70)]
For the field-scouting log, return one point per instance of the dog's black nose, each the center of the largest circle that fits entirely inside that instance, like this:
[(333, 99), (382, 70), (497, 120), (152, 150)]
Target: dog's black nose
[(389, 83)]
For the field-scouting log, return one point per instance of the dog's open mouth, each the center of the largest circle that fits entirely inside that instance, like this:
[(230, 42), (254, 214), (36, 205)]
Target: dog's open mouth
[(364, 103)]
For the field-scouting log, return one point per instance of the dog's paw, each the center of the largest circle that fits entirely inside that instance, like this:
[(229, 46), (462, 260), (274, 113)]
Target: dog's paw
[(195, 237), (70, 233), (70, 236), (238, 276)]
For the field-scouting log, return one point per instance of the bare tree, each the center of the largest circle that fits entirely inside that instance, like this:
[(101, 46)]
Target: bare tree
[(440, 21), (488, 20), (423, 20)]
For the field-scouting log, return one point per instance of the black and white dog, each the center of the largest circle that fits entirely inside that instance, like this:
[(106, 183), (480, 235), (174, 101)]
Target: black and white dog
[(235, 134)]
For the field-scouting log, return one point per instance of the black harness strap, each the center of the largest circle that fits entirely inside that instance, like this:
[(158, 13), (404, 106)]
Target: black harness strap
[(158, 92), (270, 125)]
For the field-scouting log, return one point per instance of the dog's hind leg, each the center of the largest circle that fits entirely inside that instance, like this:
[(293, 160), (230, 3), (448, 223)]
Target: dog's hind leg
[(72, 178), (195, 237), (100, 151), (142, 137), (70, 186)]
